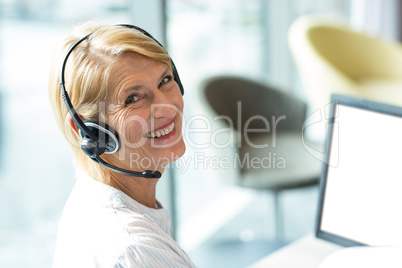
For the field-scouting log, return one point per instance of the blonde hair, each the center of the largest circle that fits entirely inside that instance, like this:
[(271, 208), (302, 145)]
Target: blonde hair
[(87, 75)]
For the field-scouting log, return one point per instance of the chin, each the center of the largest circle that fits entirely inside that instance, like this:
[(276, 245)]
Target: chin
[(177, 152)]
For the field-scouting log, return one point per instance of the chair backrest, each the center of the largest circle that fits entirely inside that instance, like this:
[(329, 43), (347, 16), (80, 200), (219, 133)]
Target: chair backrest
[(355, 54), (245, 101), (333, 58)]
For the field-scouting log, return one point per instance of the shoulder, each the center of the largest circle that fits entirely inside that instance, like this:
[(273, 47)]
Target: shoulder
[(149, 245), (112, 232), (137, 245), (154, 253)]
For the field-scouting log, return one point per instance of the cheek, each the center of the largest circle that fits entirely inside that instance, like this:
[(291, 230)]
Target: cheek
[(177, 101), (133, 131), (180, 106), (130, 127)]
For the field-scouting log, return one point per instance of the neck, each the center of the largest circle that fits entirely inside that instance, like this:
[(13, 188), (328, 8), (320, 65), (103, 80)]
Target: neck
[(140, 189)]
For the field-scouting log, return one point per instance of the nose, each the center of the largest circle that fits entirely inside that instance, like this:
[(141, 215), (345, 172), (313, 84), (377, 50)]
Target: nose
[(163, 107)]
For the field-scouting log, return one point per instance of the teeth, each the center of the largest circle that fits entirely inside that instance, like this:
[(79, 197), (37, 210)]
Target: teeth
[(161, 132)]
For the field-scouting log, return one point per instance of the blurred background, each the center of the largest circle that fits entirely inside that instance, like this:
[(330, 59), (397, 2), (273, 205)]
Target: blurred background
[(218, 223)]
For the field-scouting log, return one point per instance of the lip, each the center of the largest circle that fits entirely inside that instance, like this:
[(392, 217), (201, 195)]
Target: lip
[(162, 126)]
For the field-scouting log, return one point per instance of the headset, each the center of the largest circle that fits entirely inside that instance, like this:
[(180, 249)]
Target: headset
[(98, 137)]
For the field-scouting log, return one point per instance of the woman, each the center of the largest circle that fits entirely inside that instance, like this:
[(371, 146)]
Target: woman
[(123, 79)]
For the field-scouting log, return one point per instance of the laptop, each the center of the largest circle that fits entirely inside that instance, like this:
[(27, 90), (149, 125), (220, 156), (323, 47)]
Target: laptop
[(360, 196)]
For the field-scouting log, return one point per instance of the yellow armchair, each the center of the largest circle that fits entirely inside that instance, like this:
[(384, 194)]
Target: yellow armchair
[(333, 58)]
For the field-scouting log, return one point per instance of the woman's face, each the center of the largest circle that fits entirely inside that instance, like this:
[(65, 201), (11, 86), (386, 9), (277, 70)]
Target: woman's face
[(144, 105)]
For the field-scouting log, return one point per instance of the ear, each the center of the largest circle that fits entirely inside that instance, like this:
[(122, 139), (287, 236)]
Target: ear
[(71, 123)]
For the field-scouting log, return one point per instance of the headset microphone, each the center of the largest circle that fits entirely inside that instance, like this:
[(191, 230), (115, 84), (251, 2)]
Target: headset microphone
[(98, 137)]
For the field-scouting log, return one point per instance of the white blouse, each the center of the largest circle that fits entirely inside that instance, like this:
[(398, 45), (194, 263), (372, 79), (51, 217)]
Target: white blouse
[(103, 227)]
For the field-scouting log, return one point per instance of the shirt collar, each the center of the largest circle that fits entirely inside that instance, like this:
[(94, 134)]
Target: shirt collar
[(112, 197)]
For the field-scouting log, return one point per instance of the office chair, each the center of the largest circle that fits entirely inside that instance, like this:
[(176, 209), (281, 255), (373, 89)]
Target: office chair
[(274, 121), (333, 58)]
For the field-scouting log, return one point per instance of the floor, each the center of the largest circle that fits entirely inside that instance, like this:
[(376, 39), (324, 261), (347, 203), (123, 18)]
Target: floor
[(245, 239)]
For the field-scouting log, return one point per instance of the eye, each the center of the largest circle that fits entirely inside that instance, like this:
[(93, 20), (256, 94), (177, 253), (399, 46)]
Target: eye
[(133, 98), (165, 80)]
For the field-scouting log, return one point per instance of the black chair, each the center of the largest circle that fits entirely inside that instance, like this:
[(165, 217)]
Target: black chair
[(274, 120)]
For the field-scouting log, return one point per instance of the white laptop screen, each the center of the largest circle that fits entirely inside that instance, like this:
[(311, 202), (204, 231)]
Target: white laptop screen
[(361, 185)]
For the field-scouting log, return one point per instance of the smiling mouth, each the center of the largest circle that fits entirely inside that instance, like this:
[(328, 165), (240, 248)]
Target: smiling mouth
[(161, 132)]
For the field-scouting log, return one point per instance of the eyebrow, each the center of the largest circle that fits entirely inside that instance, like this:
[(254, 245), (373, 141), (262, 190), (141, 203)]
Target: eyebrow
[(135, 88), (138, 87)]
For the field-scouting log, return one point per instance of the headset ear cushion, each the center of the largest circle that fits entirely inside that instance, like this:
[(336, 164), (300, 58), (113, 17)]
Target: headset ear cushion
[(107, 136), (91, 148)]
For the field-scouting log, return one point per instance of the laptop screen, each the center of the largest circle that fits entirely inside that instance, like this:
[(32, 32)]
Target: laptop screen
[(360, 199)]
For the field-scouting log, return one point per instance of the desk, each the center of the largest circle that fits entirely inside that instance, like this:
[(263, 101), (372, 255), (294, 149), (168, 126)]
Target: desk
[(306, 252)]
